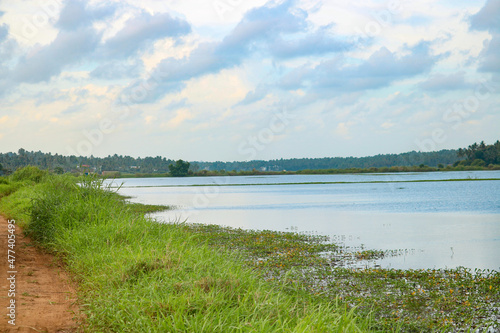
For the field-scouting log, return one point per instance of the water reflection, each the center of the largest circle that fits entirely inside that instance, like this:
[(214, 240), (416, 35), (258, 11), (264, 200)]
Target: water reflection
[(446, 224)]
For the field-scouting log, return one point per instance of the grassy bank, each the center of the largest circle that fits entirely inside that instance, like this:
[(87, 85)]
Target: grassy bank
[(136, 275)]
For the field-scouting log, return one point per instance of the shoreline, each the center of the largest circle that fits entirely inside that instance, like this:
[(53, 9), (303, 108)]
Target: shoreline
[(320, 183), (374, 170)]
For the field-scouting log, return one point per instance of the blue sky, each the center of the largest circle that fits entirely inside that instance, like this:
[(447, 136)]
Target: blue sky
[(238, 80)]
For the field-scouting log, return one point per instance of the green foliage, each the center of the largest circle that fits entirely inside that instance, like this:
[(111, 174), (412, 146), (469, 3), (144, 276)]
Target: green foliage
[(148, 166), (478, 162), (180, 169), (62, 205), (13, 161), (142, 209), (58, 170), (6, 188), (488, 154), (159, 165), (29, 173), (15, 201)]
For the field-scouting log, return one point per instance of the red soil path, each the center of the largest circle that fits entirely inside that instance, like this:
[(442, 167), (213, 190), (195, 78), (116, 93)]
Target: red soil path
[(45, 297)]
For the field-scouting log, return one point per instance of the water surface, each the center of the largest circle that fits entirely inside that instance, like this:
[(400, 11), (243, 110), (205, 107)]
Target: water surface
[(442, 224)]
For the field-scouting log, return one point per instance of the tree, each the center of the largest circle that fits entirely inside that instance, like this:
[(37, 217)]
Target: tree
[(484, 154), (58, 170), (180, 169)]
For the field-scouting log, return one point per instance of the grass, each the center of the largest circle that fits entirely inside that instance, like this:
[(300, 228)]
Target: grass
[(135, 275)]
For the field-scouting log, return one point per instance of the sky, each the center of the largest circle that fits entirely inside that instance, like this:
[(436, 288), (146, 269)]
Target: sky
[(235, 80)]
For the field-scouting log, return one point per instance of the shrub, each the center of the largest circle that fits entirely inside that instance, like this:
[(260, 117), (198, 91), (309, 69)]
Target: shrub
[(30, 173), (478, 162), (62, 204)]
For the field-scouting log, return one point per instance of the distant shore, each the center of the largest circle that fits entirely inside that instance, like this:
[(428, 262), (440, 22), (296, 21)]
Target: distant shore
[(395, 169)]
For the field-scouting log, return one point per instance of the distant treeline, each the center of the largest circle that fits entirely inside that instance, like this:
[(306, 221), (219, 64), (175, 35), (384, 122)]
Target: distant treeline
[(413, 158), (475, 155), (480, 154), (10, 162)]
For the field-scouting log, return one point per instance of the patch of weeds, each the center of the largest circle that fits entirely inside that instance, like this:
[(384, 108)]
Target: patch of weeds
[(29, 173), (145, 209), (454, 300), (143, 267)]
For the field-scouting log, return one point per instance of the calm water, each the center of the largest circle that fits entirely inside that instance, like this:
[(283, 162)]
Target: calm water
[(444, 224)]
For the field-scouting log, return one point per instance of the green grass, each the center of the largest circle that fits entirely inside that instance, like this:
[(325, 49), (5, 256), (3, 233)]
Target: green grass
[(136, 275)]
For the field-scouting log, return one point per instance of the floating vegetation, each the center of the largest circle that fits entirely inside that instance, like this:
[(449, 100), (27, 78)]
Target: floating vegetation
[(450, 300)]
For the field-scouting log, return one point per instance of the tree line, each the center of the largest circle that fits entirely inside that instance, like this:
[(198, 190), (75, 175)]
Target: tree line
[(12, 161), (413, 158), (480, 154), (476, 155)]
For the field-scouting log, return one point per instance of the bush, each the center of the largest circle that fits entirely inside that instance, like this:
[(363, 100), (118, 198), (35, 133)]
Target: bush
[(478, 162), (30, 173), (64, 205)]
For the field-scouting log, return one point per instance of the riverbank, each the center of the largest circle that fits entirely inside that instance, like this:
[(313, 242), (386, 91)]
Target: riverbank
[(137, 275)]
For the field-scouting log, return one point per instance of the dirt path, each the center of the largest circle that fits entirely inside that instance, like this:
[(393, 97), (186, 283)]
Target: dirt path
[(44, 296)]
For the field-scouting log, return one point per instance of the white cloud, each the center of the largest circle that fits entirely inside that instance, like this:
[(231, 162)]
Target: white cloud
[(209, 75), (181, 116)]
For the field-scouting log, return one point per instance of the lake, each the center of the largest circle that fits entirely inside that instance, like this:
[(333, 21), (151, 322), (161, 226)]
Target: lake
[(438, 224)]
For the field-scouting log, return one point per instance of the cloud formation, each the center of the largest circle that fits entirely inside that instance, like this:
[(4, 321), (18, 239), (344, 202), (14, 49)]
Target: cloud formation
[(164, 73), (380, 69), (267, 30), (444, 82), (140, 31), (68, 48), (488, 19), (80, 14)]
